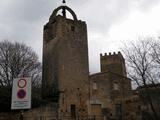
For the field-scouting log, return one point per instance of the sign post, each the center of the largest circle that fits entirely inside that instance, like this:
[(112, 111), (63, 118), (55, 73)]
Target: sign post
[(21, 93)]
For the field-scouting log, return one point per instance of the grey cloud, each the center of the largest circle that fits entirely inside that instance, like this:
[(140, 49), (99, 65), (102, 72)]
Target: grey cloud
[(23, 20), (103, 14), (145, 5), (28, 10)]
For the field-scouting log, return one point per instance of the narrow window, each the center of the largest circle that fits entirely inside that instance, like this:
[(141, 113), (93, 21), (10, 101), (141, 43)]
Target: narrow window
[(72, 28), (73, 111), (95, 85), (115, 86), (118, 108)]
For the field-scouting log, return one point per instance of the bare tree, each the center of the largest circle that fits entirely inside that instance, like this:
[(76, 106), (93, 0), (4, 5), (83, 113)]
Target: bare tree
[(142, 58), (156, 53), (18, 59)]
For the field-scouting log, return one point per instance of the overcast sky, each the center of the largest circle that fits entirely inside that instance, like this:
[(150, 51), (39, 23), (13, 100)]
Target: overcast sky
[(109, 22)]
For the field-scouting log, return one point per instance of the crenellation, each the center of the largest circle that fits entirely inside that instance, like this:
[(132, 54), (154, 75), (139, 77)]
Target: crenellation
[(112, 57), (111, 54), (113, 62)]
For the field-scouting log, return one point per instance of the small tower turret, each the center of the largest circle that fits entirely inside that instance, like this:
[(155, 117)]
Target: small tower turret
[(114, 63)]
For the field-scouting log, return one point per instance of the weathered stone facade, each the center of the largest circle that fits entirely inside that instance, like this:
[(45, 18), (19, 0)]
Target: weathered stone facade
[(65, 63), (114, 63), (112, 86), (47, 112)]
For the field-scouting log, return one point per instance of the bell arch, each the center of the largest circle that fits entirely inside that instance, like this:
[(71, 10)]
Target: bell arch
[(66, 8)]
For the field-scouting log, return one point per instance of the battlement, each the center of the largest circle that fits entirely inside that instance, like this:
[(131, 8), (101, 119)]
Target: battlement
[(113, 62), (112, 56)]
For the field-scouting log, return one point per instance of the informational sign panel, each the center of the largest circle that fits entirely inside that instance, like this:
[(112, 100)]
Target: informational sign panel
[(21, 93)]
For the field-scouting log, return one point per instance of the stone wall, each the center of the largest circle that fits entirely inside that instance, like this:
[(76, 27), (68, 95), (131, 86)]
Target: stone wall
[(113, 62), (46, 112)]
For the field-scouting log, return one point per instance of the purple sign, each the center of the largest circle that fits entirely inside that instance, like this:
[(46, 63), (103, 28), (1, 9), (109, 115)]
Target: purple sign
[(21, 93)]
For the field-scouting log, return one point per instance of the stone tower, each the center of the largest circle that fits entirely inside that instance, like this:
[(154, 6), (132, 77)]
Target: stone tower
[(119, 86), (65, 62), (114, 63)]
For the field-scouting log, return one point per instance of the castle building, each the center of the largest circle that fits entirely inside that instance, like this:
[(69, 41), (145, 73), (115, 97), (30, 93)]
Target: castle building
[(65, 69), (110, 87)]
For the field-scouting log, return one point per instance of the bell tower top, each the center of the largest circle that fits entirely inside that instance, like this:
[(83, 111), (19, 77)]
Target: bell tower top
[(64, 8)]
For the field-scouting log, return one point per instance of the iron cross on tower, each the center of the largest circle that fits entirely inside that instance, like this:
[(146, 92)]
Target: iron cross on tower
[(63, 9)]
